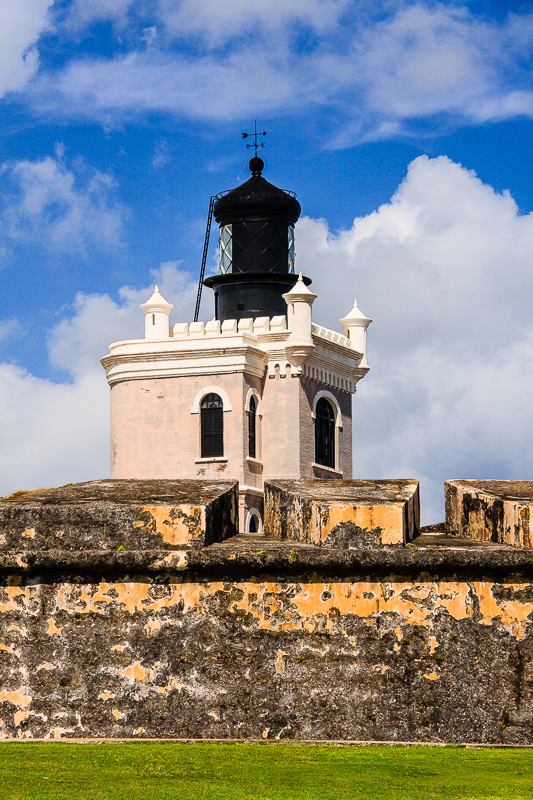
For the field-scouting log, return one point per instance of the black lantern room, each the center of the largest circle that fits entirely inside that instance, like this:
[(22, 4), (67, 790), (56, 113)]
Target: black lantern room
[(256, 222)]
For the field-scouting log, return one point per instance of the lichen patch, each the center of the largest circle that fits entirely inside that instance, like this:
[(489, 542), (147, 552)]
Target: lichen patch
[(136, 673), (53, 629)]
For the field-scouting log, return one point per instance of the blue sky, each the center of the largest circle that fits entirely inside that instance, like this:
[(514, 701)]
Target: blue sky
[(404, 127)]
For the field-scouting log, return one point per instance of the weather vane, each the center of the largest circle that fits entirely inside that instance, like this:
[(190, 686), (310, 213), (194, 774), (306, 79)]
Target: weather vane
[(255, 134)]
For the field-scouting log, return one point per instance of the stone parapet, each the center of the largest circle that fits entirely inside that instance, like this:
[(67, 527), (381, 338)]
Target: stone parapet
[(244, 555), (120, 515), (490, 511), (343, 513), (268, 639), (247, 345)]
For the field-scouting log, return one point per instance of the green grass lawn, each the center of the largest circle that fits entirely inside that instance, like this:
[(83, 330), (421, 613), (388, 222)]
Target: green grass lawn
[(157, 771)]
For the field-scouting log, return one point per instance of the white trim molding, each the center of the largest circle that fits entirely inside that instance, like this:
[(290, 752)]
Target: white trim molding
[(259, 408), (254, 512), (244, 489), (226, 405), (328, 469), (331, 397)]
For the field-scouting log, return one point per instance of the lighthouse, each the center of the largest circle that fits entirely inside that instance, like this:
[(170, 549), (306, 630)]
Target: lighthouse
[(256, 222), (259, 392)]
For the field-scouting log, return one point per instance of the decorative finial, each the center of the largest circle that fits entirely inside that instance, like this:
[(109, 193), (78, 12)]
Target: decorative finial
[(256, 166), (255, 134)]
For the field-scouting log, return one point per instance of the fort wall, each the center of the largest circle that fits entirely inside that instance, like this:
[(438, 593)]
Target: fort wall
[(119, 617), (233, 642)]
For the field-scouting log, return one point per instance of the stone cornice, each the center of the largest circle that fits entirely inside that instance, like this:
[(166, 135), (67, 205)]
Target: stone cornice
[(148, 362), (235, 559), (206, 349)]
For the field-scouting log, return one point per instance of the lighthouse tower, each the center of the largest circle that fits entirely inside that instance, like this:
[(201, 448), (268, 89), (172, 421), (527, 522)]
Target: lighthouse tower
[(257, 393)]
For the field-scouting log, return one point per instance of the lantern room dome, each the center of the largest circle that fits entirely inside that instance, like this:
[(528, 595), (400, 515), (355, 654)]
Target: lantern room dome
[(257, 199)]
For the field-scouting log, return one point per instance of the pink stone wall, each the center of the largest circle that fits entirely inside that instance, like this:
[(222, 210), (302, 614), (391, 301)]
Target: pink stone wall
[(253, 469), (281, 428), (154, 434)]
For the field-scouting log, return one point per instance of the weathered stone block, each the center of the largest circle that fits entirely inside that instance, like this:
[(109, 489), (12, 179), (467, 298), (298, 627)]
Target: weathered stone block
[(490, 511), (336, 513), (128, 514)]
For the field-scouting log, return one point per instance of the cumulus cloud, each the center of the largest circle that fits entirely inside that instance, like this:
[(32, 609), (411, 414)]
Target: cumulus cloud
[(444, 270), (58, 432), (23, 21), (79, 340), (65, 208), (381, 71)]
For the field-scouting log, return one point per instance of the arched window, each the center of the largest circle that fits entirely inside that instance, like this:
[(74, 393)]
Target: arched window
[(324, 434), (252, 410), (211, 427), (253, 522)]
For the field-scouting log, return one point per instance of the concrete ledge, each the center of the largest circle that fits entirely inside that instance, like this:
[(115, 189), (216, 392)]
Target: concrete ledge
[(490, 511), (226, 562), (343, 514), (125, 514)]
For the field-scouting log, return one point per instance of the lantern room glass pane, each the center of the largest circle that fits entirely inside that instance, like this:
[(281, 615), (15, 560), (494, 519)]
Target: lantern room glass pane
[(226, 249), (291, 248)]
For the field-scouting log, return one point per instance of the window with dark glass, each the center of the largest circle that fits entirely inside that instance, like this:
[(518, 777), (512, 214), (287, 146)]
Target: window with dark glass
[(252, 409), (212, 427), (324, 434)]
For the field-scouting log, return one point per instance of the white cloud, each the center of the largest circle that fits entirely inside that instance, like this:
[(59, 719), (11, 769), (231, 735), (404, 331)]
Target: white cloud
[(435, 61), (64, 209), (78, 341), (23, 21), (381, 72), (423, 60), (9, 328), (81, 13), (161, 155), (143, 82), (55, 433), (445, 271), (220, 22), (214, 22)]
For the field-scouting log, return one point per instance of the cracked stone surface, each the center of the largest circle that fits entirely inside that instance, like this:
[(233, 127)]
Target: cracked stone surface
[(120, 513), (261, 637), (343, 514), (490, 511)]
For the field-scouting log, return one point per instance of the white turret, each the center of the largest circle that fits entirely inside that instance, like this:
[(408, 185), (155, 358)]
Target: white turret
[(299, 321), (156, 314), (355, 324)]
